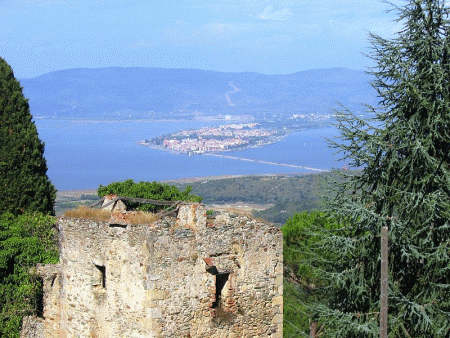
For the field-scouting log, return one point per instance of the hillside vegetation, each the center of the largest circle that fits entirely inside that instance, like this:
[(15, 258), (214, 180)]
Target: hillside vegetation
[(289, 194), (284, 195)]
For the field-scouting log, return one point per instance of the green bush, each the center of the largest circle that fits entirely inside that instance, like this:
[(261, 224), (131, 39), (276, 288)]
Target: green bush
[(25, 241), (148, 190)]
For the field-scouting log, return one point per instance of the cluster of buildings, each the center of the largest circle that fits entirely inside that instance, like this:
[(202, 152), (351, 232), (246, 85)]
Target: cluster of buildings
[(213, 139), (312, 117), (198, 146)]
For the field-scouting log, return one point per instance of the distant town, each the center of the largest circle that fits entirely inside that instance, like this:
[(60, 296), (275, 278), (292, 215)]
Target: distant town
[(215, 139)]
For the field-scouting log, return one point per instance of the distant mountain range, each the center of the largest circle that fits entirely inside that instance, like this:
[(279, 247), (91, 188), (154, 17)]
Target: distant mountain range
[(100, 92)]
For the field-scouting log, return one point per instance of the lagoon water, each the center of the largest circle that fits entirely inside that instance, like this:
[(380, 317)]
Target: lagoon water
[(83, 155)]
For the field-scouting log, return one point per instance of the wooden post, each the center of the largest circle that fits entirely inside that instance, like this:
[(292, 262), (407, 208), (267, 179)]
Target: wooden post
[(313, 330), (384, 283)]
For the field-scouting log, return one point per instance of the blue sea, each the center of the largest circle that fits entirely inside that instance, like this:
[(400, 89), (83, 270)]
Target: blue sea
[(83, 154)]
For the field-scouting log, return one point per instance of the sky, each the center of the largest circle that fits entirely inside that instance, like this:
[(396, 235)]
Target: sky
[(265, 36)]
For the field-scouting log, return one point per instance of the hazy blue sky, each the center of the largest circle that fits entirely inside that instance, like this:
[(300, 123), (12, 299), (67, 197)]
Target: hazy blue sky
[(266, 36)]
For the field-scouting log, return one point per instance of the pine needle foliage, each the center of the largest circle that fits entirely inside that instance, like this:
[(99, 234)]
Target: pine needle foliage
[(303, 283), (404, 183), (24, 185)]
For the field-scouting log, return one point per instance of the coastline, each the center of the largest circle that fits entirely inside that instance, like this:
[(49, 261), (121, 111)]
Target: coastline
[(185, 180), (97, 166)]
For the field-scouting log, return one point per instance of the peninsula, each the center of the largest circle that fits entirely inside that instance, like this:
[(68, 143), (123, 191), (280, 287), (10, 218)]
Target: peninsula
[(216, 139)]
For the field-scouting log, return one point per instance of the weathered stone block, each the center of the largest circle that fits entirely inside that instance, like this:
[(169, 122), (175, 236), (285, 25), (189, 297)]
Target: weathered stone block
[(117, 206), (153, 313), (278, 300), (278, 318), (279, 279), (156, 294)]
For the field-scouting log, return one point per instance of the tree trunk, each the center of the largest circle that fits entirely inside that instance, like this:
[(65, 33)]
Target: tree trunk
[(313, 329)]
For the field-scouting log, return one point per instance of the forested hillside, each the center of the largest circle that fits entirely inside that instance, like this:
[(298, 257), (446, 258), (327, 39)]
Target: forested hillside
[(289, 194)]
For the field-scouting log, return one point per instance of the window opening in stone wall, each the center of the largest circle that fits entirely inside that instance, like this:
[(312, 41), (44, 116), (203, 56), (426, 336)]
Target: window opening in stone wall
[(40, 299), (101, 281), (221, 280)]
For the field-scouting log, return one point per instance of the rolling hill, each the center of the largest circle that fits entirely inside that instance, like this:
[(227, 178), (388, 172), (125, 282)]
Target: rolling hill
[(147, 92)]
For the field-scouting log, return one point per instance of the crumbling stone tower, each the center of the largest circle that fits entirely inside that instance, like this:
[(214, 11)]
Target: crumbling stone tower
[(179, 277)]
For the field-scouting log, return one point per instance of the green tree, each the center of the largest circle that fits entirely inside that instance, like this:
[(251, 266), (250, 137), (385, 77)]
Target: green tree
[(25, 241), (148, 190), (26, 199), (404, 184), (303, 283), (24, 185)]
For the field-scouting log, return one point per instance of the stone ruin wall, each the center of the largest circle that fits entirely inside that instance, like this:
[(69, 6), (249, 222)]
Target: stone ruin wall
[(189, 277)]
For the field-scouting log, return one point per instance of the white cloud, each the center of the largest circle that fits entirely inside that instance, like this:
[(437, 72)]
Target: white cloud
[(140, 43), (211, 33), (177, 34), (282, 14)]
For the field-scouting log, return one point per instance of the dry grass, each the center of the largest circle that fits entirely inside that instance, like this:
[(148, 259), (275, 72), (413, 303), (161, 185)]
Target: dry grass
[(141, 218), (85, 212), (105, 215)]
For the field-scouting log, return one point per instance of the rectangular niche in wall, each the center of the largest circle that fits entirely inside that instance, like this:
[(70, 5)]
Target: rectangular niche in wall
[(221, 280), (100, 277)]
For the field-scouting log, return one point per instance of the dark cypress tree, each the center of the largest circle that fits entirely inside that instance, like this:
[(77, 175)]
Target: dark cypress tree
[(24, 185), (403, 182)]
